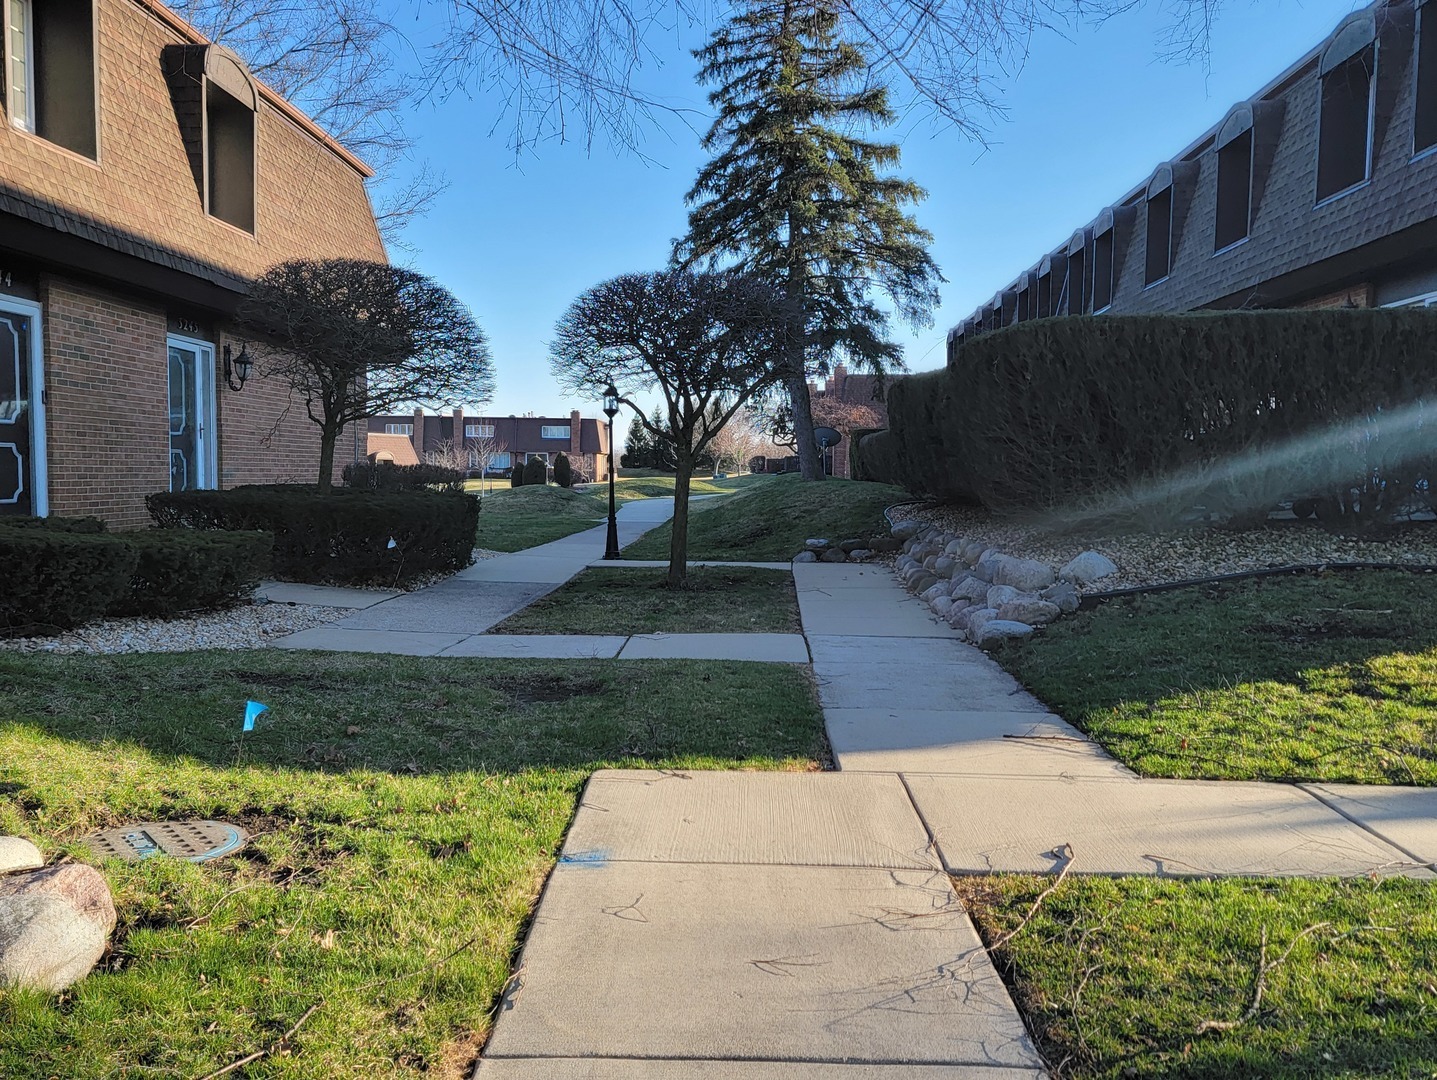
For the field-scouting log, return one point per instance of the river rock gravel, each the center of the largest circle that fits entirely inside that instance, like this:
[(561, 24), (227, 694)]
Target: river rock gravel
[(251, 626), (1153, 559)]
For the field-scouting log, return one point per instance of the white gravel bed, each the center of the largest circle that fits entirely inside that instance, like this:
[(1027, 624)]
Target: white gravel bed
[(252, 626), (1153, 558), (480, 554)]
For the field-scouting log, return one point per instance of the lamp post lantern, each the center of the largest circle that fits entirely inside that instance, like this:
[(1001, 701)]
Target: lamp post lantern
[(611, 409)]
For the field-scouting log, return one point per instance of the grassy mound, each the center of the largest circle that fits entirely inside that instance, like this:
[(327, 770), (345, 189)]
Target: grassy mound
[(524, 517), (770, 519)]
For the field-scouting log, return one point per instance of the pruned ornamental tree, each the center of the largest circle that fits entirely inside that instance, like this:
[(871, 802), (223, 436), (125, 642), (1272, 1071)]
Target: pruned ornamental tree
[(799, 195), (357, 339), (702, 341)]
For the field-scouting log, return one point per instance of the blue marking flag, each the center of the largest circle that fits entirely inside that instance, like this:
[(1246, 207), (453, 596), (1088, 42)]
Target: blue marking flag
[(252, 709)]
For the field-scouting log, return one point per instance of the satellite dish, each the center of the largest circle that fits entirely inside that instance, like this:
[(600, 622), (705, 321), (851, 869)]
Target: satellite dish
[(827, 437)]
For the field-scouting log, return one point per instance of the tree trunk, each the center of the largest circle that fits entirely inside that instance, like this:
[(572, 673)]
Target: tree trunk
[(679, 544), (327, 439), (810, 457)]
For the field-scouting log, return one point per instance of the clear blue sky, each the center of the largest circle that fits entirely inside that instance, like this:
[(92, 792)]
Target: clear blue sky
[(1088, 118)]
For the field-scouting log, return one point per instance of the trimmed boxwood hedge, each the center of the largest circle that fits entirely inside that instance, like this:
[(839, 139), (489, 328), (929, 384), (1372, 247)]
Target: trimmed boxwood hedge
[(387, 476), (1155, 417), (177, 572), (64, 572), (348, 536), (59, 578)]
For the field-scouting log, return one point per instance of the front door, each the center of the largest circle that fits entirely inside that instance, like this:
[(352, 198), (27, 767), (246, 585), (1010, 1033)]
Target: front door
[(22, 431), (192, 374)]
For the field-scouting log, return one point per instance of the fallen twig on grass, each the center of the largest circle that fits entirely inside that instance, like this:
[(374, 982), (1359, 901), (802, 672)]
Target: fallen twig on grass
[(1062, 875), (1260, 986), (276, 1047)]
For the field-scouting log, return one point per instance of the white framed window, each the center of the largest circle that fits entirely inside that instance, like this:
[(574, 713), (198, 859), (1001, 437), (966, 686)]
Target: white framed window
[(555, 431), (501, 461), (399, 429), (478, 431), (20, 63)]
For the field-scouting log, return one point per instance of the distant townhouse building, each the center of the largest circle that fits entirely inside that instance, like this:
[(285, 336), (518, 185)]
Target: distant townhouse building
[(1319, 191), (510, 441), (145, 178), (857, 390)]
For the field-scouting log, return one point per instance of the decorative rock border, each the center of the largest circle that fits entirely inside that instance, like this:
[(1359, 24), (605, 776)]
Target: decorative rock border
[(855, 550), (55, 922), (985, 595)]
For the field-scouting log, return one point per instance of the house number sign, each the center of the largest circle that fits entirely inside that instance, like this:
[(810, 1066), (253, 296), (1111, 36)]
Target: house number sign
[(185, 326)]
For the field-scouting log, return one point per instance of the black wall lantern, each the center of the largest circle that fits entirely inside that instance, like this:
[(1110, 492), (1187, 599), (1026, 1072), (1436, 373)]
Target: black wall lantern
[(238, 367)]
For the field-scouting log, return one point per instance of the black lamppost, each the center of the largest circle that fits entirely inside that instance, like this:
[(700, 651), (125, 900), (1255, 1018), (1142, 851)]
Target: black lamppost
[(611, 409)]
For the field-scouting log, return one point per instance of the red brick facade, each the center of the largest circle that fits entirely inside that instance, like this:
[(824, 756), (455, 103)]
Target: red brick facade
[(119, 252)]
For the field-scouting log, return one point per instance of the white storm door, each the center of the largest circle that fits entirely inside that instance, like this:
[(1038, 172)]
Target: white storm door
[(22, 413), (191, 411)]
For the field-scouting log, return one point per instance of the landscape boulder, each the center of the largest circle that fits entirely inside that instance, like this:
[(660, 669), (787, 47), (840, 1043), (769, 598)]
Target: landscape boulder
[(906, 529), (815, 543), (933, 592), (850, 546), (1029, 575), (1063, 595), (998, 595), (995, 630), (54, 925), (979, 618), (1088, 567), (972, 588), (17, 853), (884, 544), (860, 555), (833, 555), (941, 606), (944, 566), (1030, 610), (805, 556)]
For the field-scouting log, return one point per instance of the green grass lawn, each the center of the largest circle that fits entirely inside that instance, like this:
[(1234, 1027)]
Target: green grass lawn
[(405, 812), (1116, 976), (772, 517), (718, 600), (1293, 678), (525, 517)]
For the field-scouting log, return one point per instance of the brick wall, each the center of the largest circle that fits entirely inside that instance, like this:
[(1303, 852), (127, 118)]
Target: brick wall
[(108, 428), (266, 435)]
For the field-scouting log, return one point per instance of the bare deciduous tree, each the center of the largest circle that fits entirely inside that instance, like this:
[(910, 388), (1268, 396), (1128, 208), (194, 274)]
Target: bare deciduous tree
[(738, 442), (357, 339), (703, 341), (570, 70)]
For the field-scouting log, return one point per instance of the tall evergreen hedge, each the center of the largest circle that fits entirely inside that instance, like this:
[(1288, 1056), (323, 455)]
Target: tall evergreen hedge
[(1159, 416)]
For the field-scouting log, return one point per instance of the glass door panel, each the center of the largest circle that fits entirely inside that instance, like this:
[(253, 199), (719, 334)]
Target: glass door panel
[(16, 466), (191, 367)]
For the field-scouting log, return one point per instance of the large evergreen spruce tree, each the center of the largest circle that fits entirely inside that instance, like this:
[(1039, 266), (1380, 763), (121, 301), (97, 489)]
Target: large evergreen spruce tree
[(797, 194)]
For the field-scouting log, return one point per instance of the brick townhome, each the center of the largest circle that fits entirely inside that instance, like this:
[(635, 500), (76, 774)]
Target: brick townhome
[(514, 439), (145, 177), (851, 389), (1320, 190)]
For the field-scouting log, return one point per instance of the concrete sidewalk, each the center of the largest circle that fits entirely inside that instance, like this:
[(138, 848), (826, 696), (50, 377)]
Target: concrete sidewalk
[(430, 621)]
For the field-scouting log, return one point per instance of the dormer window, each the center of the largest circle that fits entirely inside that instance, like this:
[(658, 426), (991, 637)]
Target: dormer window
[(49, 72), (1234, 179), (1425, 128), (216, 101), (1348, 81), (1103, 267), (1160, 227), (1077, 273)]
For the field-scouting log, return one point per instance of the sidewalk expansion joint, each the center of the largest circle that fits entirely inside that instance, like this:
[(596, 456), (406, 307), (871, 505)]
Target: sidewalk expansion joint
[(1417, 859)]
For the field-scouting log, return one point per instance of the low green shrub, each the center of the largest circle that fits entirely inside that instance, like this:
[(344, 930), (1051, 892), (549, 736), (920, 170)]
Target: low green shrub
[(855, 463), (59, 578), (877, 458), (387, 476), (178, 571), (55, 524), (535, 471), (563, 471), (349, 536)]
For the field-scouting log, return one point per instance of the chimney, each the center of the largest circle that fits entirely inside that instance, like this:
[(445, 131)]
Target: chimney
[(418, 437), (576, 442), (835, 384), (459, 426)]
